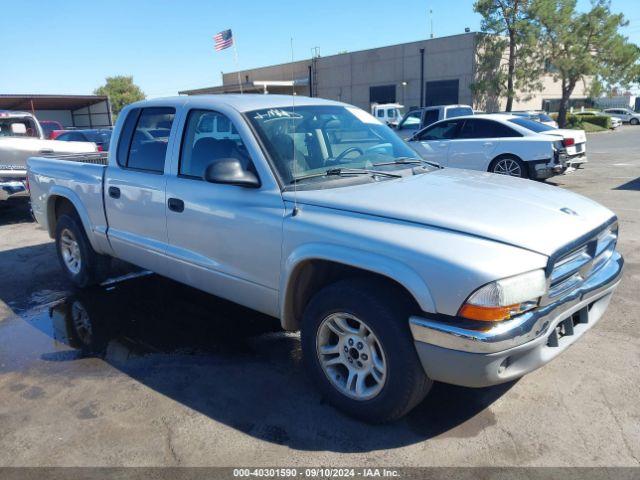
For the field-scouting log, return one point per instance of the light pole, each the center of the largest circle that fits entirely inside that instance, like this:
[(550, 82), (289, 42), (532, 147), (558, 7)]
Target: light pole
[(404, 90)]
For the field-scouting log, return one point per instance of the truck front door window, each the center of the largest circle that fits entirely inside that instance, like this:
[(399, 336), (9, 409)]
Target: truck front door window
[(202, 145)]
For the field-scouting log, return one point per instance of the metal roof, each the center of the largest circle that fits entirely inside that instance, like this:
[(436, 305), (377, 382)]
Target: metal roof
[(48, 102)]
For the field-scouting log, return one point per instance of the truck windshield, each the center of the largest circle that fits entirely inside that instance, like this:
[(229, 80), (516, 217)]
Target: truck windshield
[(305, 140), (18, 127)]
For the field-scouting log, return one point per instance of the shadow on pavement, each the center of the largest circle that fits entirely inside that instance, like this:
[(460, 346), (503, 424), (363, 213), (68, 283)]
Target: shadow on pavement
[(632, 185), (15, 211), (237, 367)]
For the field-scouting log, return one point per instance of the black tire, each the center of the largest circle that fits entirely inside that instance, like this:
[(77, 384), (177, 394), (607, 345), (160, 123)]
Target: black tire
[(94, 267), (634, 121), (387, 315), (524, 173)]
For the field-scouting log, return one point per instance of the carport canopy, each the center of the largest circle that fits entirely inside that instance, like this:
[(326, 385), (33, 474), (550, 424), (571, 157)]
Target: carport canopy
[(71, 110), (48, 102)]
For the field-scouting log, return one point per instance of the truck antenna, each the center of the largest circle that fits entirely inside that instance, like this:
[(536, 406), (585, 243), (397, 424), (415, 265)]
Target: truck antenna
[(293, 125)]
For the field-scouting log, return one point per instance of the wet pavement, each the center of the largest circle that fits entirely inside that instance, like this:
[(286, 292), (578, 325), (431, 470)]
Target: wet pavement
[(145, 371)]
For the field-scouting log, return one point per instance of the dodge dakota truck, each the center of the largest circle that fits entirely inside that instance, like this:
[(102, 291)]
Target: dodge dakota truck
[(396, 272), (21, 136)]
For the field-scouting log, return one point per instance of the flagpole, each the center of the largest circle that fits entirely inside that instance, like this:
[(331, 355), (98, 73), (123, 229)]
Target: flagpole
[(235, 54)]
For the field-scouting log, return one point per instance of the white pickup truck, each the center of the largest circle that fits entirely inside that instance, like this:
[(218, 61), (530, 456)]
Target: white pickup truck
[(20, 138), (397, 273)]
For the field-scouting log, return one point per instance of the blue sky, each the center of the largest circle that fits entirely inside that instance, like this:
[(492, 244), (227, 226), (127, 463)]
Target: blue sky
[(70, 46)]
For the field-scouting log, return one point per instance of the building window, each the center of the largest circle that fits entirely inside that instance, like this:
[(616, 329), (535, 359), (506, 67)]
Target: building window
[(382, 94), (443, 92)]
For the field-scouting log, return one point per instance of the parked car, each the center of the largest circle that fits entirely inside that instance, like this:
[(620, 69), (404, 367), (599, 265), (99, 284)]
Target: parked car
[(389, 113), (505, 144), (396, 272), (541, 117), (423, 117), (101, 137), (56, 133), (21, 136), (615, 121), (48, 126), (573, 150), (625, 114)]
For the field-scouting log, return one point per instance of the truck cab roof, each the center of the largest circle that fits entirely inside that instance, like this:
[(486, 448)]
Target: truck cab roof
[(240, 102)]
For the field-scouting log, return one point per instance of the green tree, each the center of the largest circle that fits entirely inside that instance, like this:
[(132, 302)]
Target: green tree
[(121, 92), (506, 28), (584, 47)]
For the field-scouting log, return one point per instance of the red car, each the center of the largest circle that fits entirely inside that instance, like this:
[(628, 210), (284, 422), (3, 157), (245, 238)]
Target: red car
[(48, 126), (56, 133)]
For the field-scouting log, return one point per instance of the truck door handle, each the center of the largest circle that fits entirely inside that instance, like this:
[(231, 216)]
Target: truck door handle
[(46, 151), (176, 205), (114, 192)]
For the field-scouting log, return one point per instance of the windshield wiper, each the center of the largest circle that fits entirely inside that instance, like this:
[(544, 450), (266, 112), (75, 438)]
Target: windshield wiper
[(346, 171), (409, 161)]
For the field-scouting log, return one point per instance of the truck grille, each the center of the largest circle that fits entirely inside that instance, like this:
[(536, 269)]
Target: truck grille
[(571, 269)]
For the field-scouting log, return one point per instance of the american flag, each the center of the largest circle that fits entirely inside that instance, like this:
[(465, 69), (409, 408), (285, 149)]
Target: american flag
[(223, 40)]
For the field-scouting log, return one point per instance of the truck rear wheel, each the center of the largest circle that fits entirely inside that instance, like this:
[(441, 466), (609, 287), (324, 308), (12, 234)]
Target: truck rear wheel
[(80, 262), (360, 352)]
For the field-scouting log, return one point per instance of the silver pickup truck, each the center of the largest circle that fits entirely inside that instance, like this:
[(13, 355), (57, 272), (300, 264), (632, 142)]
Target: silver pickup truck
[(397, 272)]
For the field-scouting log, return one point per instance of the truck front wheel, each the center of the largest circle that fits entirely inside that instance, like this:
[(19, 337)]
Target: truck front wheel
[(80, 262), (360, 352)]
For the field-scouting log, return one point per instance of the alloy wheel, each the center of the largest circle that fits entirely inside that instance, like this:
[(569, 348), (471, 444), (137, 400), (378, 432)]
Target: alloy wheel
[(507, 166), (351, 356), (70, 251)]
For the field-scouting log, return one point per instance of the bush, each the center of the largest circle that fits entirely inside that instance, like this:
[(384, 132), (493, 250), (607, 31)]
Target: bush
[(577, 121), (600, 120)]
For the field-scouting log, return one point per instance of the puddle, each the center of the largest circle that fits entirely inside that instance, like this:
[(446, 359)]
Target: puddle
[(224, 361)]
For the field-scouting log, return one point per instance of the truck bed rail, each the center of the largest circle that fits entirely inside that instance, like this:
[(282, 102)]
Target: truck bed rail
[(97, 158)]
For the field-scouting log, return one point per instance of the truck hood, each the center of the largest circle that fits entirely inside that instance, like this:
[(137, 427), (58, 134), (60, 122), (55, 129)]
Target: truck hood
[(525, 213)]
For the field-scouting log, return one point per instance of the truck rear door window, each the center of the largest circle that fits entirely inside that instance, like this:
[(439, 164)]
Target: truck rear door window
[(148, 146)]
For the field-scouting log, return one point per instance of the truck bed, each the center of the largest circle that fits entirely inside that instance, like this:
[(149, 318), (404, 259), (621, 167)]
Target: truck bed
[(78, 177)]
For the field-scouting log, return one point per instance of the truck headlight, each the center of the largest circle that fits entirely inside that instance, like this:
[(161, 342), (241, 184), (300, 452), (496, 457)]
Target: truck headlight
[(503, 299)]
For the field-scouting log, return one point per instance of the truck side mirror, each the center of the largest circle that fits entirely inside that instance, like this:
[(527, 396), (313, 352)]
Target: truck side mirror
[(230, 171)]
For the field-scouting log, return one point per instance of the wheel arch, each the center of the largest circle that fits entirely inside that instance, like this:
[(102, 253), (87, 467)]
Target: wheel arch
[(61, 201), (307, 272)]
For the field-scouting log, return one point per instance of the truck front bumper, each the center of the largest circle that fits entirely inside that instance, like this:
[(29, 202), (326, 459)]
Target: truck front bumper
[(508, 350)]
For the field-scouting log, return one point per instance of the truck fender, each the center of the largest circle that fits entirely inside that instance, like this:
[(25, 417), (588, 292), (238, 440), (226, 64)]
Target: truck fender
[(64, 192), (367, 261)]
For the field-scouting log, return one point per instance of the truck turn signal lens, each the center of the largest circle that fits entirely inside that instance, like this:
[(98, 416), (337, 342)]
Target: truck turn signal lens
[(488, 314)]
